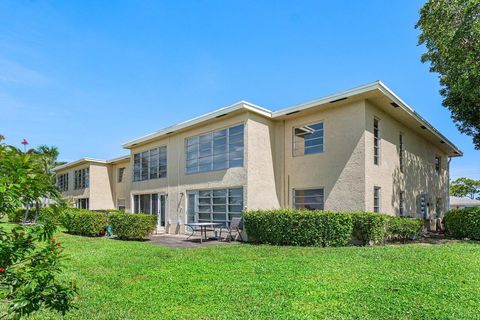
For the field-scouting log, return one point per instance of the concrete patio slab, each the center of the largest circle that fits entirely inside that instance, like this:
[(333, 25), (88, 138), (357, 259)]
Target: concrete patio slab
[(181, 241)]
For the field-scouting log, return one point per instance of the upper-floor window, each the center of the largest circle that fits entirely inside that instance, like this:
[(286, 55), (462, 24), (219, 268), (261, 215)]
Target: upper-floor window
[(438, 164), (62, 182), (376, 199), (308, 139), (151, 164), (120, 173), (310, 199), (376, 141), (81, 180), (215, 150), (401, 151)]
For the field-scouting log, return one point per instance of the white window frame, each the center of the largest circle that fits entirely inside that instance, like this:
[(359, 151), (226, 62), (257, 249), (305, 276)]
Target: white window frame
[(227, 153), (306, 125), (377, 208), (227, 211), (159, 195), (294, 204), (377, 142), (148, 164)]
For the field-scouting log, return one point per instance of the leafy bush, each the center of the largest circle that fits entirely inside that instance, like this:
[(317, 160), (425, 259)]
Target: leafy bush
[(132, 226), (298, 227), (85, 222), (463, 223), (369, 227), (49, 213), (399, 228)]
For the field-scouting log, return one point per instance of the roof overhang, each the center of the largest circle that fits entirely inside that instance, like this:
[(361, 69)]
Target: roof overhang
[(372, 90), (242, 105), (89, 160)]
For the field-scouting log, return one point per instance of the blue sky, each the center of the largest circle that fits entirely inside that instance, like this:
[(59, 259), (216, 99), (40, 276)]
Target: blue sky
[(87, 76)]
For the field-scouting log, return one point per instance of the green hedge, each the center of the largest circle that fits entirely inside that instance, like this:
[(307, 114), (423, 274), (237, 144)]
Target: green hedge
[(298, 227), (463, 223), (130, 226), (85, 222), (403, 228), (327, 228), (369, 227), (44, 213)]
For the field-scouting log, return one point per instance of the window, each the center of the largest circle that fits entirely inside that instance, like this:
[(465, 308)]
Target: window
[(121, 171), (308, 139), (62, 182), (151, 164), (401, 203), (310, 199), (121, 204), (81, 180), (150, 204), (376, 141), (438, 164), (401, 152), (217, 205), (215, 150), (82, 203), (376, 199)]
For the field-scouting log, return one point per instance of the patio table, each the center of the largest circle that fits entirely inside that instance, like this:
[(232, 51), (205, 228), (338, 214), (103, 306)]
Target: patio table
[(203, 228)]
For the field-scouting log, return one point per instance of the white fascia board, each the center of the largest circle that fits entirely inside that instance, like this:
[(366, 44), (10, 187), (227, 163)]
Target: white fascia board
[(211, 115), (119, 158), (79, 161), (327, 99), (390, 94)]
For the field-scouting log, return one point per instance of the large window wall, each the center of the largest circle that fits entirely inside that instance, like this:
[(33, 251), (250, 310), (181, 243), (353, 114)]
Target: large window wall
[(216, 205), (81, 179), (216, 150), (150, 164)]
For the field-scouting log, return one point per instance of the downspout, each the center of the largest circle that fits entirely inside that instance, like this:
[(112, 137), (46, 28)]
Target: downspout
[(448, 183)]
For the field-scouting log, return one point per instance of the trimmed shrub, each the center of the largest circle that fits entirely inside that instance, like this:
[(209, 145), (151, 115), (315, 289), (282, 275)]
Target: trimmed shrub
[(298, 227), (85, 222), (132, 226), (399, 228), (47, 213), (463, 223), (369, 227)]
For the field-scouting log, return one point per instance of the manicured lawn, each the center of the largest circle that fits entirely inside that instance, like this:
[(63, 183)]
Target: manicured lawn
[(134, 280)]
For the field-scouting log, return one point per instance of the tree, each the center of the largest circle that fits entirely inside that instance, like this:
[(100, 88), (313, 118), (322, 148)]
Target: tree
[(29, 256), (465, 187), (450, 29)]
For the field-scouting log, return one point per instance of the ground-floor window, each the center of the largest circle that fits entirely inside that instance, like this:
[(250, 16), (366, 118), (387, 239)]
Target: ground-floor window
[(216, 205), (82, 203), (121, 204), (153, 203), (376, 199), (310, 199), (401, 203)]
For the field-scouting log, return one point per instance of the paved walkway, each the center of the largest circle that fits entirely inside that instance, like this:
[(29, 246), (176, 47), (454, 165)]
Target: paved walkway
[(181, 241)]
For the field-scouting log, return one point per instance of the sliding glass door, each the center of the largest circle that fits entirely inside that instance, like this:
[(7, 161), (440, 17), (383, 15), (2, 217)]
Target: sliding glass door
[(151, 203)]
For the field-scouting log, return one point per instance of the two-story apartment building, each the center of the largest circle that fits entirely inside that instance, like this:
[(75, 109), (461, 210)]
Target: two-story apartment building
[(361, 149)]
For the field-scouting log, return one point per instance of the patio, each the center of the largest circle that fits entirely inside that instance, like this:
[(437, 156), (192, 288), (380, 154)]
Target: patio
[(182, 241)]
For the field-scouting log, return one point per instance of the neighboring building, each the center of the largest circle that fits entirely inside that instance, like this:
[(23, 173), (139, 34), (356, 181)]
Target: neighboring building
[(361, 149), (461, 202)]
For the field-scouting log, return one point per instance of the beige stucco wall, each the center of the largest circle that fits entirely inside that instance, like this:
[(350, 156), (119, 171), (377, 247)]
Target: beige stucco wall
[(101, 192), (177, 183), (72, 194), (340, 168), (419, 172), (121, 190)]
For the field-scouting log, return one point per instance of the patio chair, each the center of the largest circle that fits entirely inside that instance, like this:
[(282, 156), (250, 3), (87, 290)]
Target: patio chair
[(235, 226)]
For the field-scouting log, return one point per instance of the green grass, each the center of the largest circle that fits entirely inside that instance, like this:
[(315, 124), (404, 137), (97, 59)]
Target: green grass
[(135, 280)]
